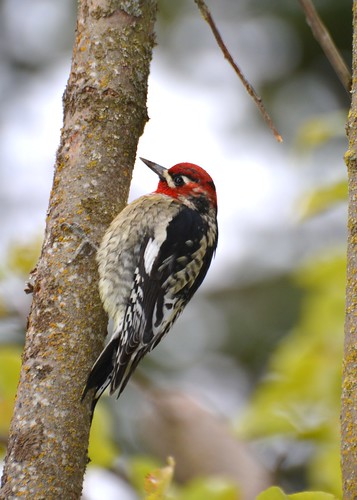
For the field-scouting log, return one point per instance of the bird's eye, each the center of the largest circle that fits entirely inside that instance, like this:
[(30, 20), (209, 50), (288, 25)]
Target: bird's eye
[(178, 180)]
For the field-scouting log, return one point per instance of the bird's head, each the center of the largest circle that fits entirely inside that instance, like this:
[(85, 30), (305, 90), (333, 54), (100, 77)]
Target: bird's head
[(187, 182)]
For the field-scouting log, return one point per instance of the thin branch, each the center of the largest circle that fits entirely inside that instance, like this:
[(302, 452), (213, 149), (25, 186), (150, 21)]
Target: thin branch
[(327, 44), (258, 101)]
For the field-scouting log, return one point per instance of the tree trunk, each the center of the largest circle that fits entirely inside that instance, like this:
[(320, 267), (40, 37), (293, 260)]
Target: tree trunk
[(104, 116), (349, 386)]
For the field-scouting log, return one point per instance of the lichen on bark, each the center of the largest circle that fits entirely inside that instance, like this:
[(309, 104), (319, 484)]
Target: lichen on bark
[(104, 116), (349, 385)]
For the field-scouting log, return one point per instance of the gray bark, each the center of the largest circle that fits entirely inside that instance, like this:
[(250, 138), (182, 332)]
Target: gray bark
[(349, 385), (104, 116)]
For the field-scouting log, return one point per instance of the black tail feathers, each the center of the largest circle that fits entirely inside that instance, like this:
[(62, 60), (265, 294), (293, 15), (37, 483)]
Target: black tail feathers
[(102, 371)]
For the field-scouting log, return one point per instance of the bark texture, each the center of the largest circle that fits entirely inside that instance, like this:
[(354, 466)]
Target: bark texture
[(349, 387), (104, 116)]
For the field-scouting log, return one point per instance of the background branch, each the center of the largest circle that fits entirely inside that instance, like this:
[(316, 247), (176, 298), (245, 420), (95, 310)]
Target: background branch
[(327, 44), (256, 98)]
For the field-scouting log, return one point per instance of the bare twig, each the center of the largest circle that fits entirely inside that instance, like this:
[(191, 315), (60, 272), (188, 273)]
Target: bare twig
[(324, 39), (258, 101)]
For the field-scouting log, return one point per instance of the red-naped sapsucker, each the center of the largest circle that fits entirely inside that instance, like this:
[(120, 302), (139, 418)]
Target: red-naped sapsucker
[(152, 259)]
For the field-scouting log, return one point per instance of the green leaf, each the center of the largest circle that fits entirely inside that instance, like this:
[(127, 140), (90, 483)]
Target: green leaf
[(324, 469), (209, 488), (275, 493), (312, 495)]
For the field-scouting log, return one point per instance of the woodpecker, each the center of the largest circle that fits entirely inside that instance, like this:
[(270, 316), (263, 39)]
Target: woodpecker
[(152, 259)]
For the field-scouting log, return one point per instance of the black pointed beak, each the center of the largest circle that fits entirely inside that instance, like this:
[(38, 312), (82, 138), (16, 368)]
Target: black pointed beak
[(158, 169)]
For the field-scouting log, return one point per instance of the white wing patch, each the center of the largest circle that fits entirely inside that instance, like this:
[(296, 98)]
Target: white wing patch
[(151, 252), (153, 247)]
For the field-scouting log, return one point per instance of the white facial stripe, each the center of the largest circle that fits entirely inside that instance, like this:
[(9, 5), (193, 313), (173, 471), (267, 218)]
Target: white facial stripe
[(169, 180)]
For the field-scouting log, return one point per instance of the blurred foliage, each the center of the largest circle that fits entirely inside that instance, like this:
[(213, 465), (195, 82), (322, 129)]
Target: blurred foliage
[(209, 488), (300, 395), (323, 198), (258, 315), (319, 130), (141, 467), (102, 450), (10, 363), (275, 493), (315, 134), (19, 260), (158, 481), (22, 257), (159, 485)]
